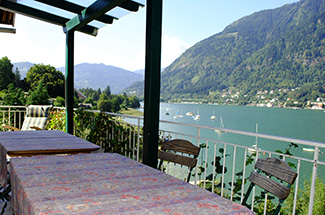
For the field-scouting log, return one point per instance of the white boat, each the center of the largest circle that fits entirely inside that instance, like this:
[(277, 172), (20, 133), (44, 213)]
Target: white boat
[(197, 116), (189, 114), (213, 117), (308, 149), (221, 126)]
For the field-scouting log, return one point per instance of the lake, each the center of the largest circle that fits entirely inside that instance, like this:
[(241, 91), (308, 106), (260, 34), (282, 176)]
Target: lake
[(292, 123)]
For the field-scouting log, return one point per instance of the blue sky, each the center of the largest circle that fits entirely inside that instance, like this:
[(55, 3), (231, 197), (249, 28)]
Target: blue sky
[(122, 44)]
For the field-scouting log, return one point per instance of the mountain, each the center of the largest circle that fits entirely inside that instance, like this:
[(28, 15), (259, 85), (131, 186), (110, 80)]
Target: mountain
[(94, 76), (23, 68), (140, 72), (282, 48), (100, 76)]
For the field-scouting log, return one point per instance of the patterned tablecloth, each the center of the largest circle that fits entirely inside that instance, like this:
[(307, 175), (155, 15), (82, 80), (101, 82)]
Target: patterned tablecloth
[(25, 143), (105, 183)]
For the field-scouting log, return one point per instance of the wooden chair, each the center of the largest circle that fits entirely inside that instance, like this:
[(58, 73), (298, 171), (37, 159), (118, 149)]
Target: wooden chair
[(173, 150), (272, 167), (36, 118)]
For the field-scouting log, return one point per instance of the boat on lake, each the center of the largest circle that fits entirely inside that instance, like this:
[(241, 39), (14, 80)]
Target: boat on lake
[(221, 126), (213, 117), (197, 117), (308, 149)]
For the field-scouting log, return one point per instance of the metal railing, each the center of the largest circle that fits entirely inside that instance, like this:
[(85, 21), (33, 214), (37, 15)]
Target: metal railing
[(223, 165), (234, 158)]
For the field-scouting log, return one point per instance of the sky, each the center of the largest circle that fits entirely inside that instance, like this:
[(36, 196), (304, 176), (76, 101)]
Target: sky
[(122, 44)]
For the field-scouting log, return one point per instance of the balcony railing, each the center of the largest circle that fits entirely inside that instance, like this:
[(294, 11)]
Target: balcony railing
[(223, 165)]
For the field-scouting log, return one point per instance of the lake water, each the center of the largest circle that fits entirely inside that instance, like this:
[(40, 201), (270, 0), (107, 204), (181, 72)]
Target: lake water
[(298, 124), (291, 123)]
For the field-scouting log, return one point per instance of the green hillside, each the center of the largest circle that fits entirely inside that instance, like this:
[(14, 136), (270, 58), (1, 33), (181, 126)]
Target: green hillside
[(271, 50)]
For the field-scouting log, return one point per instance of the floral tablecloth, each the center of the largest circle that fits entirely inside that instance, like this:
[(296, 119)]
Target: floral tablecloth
[(38, 142), (105, 183)]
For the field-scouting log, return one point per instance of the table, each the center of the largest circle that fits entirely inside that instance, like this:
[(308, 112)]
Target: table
[(106, 183), (29, 143)]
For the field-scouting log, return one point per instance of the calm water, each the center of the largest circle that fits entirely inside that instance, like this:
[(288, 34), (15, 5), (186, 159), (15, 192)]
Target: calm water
[(298, 124)]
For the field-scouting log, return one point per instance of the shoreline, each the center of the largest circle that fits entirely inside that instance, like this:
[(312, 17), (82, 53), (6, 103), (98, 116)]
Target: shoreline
[(250, 105)]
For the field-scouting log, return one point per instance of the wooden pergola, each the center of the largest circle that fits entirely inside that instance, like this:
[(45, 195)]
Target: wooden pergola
[(81, 22)]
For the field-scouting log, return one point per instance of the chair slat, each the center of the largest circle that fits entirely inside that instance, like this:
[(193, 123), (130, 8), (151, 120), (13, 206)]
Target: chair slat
[(180, 159), (277, 168), (269, 185), (181, 146)]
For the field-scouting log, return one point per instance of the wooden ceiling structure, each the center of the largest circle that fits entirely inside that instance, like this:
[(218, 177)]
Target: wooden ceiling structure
[(74, 15)]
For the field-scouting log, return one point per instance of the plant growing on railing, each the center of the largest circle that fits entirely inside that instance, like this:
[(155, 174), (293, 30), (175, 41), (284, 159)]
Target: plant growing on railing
[(287, 152), (100, 128), (57, 120), (303, 200), (203, 165)]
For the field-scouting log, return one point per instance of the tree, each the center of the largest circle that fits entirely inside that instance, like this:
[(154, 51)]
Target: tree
[(14, 96), (6, 74), (17, 79), (107, 91), (105, 105), (59, 101), (134, 102), (53, 79), (115, 104), (39, 96)]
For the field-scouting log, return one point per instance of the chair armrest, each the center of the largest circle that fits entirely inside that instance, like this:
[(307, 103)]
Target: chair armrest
[(10, 127), (36, 128)]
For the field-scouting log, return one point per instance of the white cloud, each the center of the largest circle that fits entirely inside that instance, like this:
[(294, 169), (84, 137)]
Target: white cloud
[(172, 48)]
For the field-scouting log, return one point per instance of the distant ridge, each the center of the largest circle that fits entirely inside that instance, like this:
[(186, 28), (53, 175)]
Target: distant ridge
[(100, 76), (23, 67), (94, 76)]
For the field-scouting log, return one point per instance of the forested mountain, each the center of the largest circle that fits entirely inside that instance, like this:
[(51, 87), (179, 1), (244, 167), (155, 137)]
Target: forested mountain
[(100, 76), (282, 48)]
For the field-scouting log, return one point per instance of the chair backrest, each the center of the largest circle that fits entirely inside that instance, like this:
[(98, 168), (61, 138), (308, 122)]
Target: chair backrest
[(173, 151), (36, 116), (268, 168)]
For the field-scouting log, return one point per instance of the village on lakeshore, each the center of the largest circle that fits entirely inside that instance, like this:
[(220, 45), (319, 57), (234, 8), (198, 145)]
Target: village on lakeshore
[(273, 98)]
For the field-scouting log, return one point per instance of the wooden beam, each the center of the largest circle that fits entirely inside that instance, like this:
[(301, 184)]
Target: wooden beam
[(44, 16), (97, 9), (75, 8)]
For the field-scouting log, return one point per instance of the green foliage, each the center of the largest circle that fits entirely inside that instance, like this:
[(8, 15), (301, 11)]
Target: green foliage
[(57, 121), (59, 102), (109, 102), (39, 96), (95, 128), (6, 74), (13, 96), (105, 105), (53, 79), (303, 200), (107, 91), (133, 102)]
